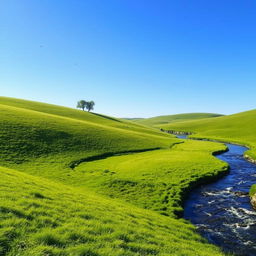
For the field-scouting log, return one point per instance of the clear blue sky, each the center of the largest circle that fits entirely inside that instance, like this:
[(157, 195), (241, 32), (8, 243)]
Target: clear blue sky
[(134, 58)]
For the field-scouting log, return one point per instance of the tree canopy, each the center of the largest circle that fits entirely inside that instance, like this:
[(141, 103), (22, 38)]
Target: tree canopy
[(82, 104), (89, 105)]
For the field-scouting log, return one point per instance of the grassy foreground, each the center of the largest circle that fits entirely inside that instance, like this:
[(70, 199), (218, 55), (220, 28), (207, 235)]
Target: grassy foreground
[(104, 206), (40, 217)]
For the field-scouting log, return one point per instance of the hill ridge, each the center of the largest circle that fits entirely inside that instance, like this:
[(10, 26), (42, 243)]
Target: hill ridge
[(157, 121)]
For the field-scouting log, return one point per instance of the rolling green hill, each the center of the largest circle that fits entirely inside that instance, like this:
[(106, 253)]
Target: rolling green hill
[(35, 129), (78, 183), (161, 120), (75, 114), (238, 128)]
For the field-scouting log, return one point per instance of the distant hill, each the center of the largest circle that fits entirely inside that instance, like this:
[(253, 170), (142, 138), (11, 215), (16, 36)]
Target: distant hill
[(238, 128), (160, 120), (132, 118)]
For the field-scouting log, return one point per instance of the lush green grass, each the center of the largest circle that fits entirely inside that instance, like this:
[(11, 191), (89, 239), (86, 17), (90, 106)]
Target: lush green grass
[(239, 128), (41, 217), (56, 210), (78, 115), (160, 120), (31, 134), (154, 180)]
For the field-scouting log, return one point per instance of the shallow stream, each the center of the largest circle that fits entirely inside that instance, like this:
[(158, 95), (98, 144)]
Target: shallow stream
[(222, 210)]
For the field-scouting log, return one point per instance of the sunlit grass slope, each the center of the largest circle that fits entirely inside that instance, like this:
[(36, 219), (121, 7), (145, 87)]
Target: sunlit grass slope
[(156, 180), (238, 128), (40, 217), (160, 120), (30, 130), (76, 114)]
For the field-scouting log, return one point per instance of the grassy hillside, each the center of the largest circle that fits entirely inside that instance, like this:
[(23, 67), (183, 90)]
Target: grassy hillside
[(239, 128), (57, 130), (76, 114), (161, 120), (40, 217), (49, 208)]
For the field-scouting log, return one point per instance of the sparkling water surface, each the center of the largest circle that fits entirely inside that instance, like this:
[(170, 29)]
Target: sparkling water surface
[(222, 210)]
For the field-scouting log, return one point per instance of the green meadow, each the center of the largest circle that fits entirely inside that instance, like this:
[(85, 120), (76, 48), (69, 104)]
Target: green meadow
[(42, 217), (85, 184)]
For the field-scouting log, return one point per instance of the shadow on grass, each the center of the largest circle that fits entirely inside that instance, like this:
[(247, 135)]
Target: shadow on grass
[(75, 163)]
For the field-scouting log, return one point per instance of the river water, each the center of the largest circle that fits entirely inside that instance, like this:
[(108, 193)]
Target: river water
[(222, 211)]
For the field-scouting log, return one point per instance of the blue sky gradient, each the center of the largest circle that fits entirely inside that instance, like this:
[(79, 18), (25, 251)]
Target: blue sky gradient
[(136, 58)]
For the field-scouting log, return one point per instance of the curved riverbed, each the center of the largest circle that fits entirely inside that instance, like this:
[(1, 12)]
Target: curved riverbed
[(222, 210)]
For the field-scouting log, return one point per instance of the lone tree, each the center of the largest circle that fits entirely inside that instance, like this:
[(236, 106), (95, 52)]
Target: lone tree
[(81, 104), (89, 105), (85, 104)]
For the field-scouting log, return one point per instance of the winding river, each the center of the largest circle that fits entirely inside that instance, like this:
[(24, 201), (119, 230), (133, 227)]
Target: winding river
[(222, 211)]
